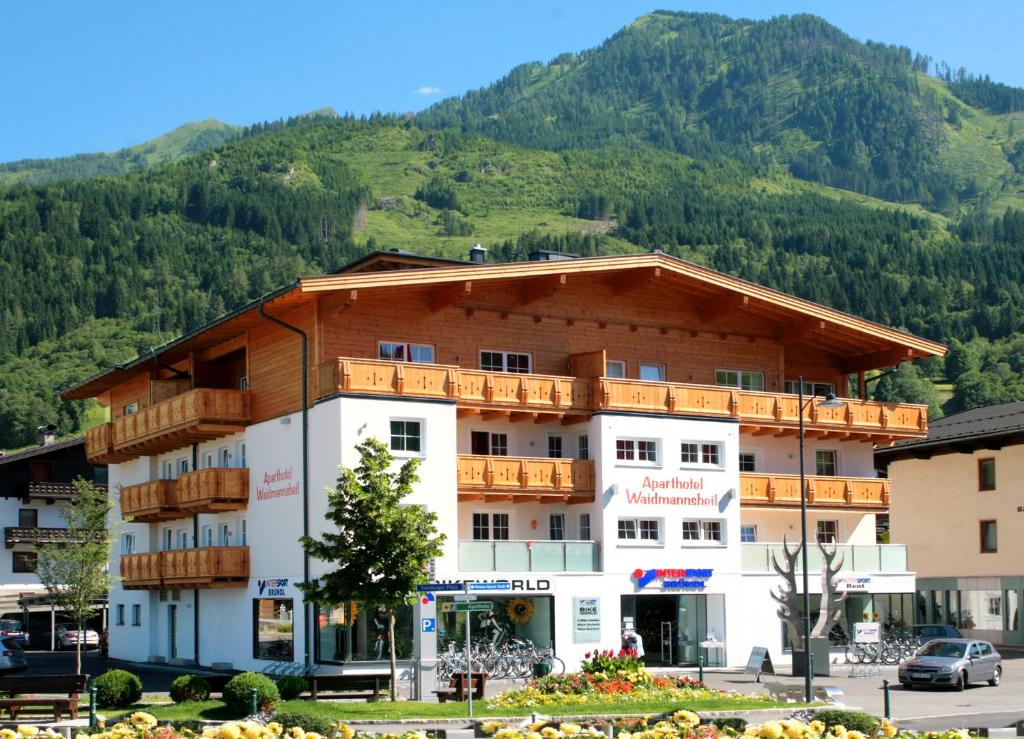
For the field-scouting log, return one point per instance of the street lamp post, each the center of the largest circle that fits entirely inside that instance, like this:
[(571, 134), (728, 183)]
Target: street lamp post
[(829, 402)]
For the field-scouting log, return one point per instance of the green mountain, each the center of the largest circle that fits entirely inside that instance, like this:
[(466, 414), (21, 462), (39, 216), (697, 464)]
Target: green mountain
[(165, 249), (183, 141)]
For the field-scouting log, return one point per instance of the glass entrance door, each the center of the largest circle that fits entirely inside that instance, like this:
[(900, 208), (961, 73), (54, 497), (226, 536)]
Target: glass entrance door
[(691, 628)]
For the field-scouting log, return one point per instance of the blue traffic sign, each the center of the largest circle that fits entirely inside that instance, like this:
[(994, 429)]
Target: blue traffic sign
[(500, 585), (428, 625), (440, 587)]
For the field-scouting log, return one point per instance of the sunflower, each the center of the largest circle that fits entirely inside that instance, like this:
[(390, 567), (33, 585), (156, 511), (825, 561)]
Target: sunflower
[(520, 610)]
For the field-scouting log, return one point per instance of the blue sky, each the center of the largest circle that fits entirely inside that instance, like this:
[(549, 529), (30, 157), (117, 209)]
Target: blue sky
[(79, 77)]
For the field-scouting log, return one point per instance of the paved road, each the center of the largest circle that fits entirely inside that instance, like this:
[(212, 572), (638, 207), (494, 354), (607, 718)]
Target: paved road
[(155, 678)]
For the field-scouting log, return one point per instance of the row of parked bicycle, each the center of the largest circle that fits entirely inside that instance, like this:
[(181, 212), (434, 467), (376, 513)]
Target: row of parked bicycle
[(511, 657)]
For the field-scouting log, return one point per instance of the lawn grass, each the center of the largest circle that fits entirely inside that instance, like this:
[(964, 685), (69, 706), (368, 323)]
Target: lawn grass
[(359, 711)]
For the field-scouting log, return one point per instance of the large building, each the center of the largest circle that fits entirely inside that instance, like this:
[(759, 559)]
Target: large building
[(611, 439), (966, 551)]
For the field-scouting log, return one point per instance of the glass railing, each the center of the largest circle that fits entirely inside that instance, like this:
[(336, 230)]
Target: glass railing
[(855, 557), (529, 556)]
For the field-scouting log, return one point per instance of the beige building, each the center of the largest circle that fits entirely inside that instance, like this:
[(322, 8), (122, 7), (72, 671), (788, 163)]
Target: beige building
[(958, 504)]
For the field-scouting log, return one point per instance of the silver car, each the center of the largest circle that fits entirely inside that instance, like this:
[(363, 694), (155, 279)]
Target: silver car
[(12, 656), (952, 663)]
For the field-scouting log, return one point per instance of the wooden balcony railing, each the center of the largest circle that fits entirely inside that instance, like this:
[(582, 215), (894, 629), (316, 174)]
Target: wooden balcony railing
[(155, 500), (39, 535), (48, 491), (822, 492), (99, 445), (205, 567), (195, 416), (523, 479), (214, 489), (140, 571), (552, 396)]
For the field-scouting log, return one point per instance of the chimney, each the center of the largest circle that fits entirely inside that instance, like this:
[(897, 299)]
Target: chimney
[(48, 434), (478, 254)]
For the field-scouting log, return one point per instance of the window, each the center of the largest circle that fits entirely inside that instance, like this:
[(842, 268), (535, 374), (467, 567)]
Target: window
[(206, 535), (700, 453), (710, 453), (615, 368), (583, 447), (119, 614), (24, 561), (989, 542), (28, 518), (743, 379), (484, 442), (555, 446), (585, 527), (167, 470), (702, 530), (748, 462), (636, 450), (828, 532), (825, 462), (556, 526), (208, 460), (182, 539), (272, 629), (640, 529), (652, 372), (748, 534), (182, 466), (136, 614), (987, 474), (811, 389), (243, 383), (240, 454), (505, 362), (402, 352), (127, 543), (166, 539), (487, 526), (243, 532), (224, 457), (224, 535), (131, 408), (406, 436), (357, 632), (994, 606), (690, 452)]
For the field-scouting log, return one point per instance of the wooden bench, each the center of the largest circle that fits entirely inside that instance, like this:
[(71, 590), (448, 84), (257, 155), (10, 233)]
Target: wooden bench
[(372, 685), (61, 693), (456, 690)]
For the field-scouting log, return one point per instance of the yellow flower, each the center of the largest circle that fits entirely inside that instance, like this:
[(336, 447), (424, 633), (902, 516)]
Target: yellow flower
[(533, 735), (346, 731), (229, 731), (507, 733), (771, 730), (689, 718), (142, 720), (313, 735), (839, 731), (26, 730), (296, 732), (10, 734), (489, 727), (818, 727), (550, 732), (888, 728), (854, 735), (570, 729)]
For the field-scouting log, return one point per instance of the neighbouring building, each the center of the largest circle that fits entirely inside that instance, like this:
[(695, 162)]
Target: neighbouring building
[(604, 440), (959, 508)]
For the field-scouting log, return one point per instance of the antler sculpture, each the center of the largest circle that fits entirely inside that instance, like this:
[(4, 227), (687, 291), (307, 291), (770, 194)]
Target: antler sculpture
[(831, 599), (787, 597)]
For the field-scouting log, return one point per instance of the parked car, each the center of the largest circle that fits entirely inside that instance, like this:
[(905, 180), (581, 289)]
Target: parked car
[(12, 656), (12, 629), (66, 636), (926, 632), (952, 663)]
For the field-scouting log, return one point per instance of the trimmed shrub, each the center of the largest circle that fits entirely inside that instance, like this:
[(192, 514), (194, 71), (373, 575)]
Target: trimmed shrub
[(189, 688), (236, 693), (117, 689), (321, 725), (291, 687), (850, 720)]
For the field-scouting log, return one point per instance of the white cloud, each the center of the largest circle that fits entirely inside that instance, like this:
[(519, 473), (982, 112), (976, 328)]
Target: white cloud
[(428, 90)]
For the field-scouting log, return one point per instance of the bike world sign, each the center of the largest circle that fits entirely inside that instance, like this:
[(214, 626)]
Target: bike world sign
[(272, 588), (689, 579)]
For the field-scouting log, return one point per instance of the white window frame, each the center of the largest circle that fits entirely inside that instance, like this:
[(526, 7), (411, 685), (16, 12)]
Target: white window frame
[(182, 465), (559, 519), (703, 450), (754, 457), (633, 460), (658, 366), (130, 409), (586, 532), (583, 446), (504, 360), (704, 527), (242, 527), (812, 388), (181, 537), (206, 535), (136, 614), (127, 543), (490, 440), (408, 350), (835, 463), (638, 540), (421, 427), (166, 539), (741, 374), (490, 524), (224, 535), (752, 528), (209, 458), (818, 532), (240, 455), (556, 443), (224, 456), (620, 364), (167, 469)]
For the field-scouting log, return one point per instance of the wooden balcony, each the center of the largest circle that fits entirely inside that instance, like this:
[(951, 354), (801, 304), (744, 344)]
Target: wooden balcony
[(47, 491), (197, 415), (525, 479), (872, 493), (155, 500), (213, 490), (38, 535), (544, 398), (99, 445), (205, 567), (140, 571)]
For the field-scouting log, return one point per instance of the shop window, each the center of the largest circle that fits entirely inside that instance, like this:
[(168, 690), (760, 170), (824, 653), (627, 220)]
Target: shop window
[(989, 542), (748, 534), (24, 561), (556, 526), (406, 436), (403, 352), (484, 442), (636, 450), (28, 518), (273, 626), (748, 462), (707, 531), (515, 362), (615, 369), (825, 462), (352, 632), (583, 446), (652, 372), (743, 379), (119, 615), (555, 446), (136, 615), (487, 526), (127, 543), (987, 474), (639, 529), (828, 532), (811, 389), (584, 527)]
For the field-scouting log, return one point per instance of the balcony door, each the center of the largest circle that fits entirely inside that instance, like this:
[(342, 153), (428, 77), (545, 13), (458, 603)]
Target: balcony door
[(487, 443)]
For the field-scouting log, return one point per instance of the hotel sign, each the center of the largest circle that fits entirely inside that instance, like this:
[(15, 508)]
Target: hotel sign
[(676, 490), (277, 484)]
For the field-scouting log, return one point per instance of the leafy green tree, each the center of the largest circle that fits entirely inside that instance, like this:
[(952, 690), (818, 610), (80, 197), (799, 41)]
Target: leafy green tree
[(908, 385), (75, 572), (381, 548)]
